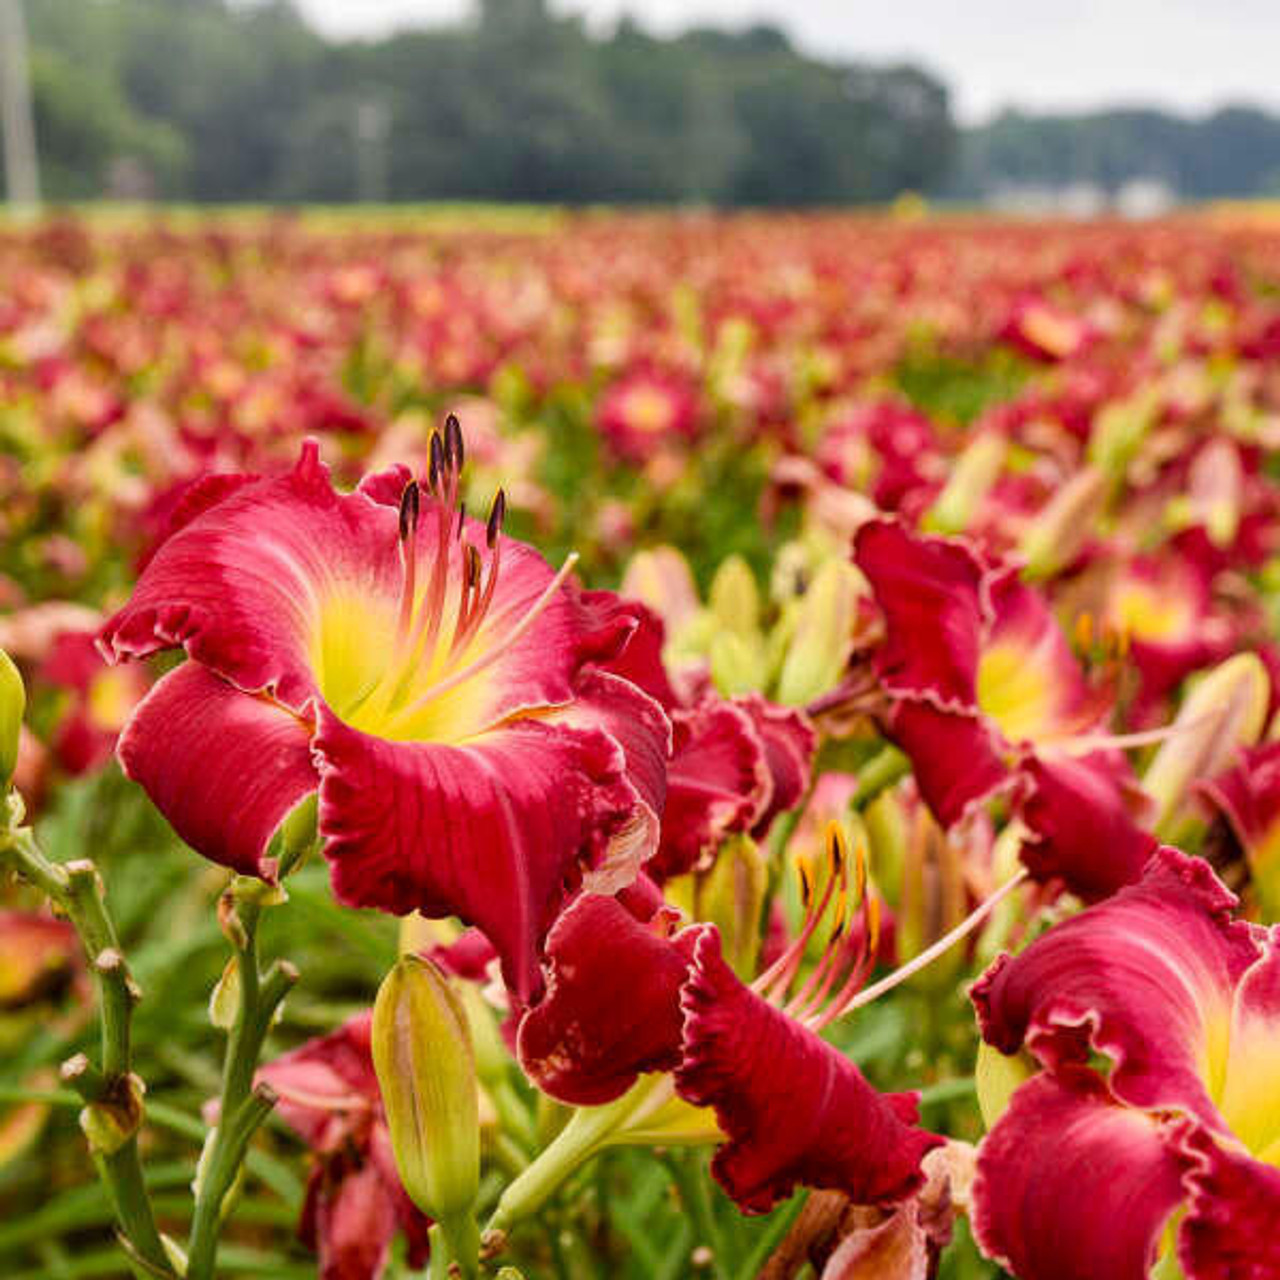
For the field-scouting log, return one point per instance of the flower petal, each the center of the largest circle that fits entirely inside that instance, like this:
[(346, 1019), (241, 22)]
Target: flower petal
[(1072, 1184), (352, 1222), (954, 757), (896, 1249), (1249, 797), (224, 767), (240, 586), (717, 782), (1230, 1231), (931, 591), (789, 742), (1146, 977), (497, 830), (612, 1003), (795, 1109), (1079, 811)]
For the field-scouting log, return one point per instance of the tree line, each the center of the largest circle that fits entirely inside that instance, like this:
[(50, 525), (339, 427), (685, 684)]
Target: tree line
[(214, 101)]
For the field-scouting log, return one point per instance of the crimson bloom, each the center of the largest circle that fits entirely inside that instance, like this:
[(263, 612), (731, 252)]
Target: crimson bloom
[(437, 683), (1180, 1137), (355, 1204), (626, 996), (985, 696)]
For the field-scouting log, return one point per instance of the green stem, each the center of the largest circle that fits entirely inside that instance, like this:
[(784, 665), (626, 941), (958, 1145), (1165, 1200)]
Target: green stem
[(692, 1186), (242, 1109), (76, 889), (779, 1225), (881, 771)]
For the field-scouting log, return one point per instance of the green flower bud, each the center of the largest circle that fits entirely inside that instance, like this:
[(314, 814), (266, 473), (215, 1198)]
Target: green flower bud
[(997, 1075), (734, 598), (731, 896), (972, 475), (1225, 710), (427, 1075), (13, 706), (1055, 537), (821, 635)]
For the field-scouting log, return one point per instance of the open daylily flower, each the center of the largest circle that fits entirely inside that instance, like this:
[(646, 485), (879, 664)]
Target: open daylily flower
[(625, 996), (985, 695), (1249, 798), (437, 682), (355, 1204), (1180, 1138)]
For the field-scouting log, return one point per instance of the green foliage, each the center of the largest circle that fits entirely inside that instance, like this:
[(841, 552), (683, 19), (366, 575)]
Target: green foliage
[(216, 101)]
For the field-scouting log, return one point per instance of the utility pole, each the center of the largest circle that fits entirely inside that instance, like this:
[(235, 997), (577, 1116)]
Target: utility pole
[(21, 173)]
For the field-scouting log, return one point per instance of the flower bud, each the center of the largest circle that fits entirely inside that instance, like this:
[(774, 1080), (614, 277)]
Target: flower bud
[(821, 635), (997, 1075), (1225, 710), (1058, 533), (731, 896), (13, 706), (426, 1072), (734, 599), (972, 475), (661, 578)]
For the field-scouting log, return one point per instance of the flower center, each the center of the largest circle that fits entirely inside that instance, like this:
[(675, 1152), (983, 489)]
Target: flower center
[(420, 670)]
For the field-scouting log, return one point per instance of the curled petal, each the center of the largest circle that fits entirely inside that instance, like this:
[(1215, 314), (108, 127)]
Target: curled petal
[(1146, 977), (224, 767), (1097, 1206), (895, 1249), (612, 1003), (241, 585), (955, 757), (497, 830), (717, 782), (789, 741), (1080, 812), (931, 591), (795, 1109), (1249, 797), (1229, 1232)]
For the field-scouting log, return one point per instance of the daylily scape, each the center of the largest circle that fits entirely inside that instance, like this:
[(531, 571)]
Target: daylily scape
[(641, 747)]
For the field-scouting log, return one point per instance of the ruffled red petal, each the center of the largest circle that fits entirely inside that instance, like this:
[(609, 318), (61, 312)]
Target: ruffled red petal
[(240, 586), (717, 783), (612, 1004), (497, 830), (932, 594), (224, 767), (1229, 1232), (955, 757), (1080, 812), (795, 1109), (789, 741), (1071, 1183), (1146, 977)]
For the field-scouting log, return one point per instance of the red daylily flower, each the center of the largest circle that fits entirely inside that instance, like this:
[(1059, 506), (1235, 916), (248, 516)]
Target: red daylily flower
[(985, 695), (355, 1203), (624, 996), (1185, 1002), (436, 682)]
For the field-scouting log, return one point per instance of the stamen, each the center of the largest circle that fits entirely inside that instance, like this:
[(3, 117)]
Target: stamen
[(435, 466), (453, 450), (491, 656), (497, 513), (856, 1000), (410, 507)]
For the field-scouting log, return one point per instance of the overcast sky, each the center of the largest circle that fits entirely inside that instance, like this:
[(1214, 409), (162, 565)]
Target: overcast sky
[(1048, 54)]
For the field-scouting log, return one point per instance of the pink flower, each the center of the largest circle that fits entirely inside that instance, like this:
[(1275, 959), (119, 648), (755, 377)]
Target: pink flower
[(437, 683), (1175, 1137)]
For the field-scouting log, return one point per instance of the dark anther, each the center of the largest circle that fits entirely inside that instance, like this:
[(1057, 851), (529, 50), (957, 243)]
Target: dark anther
[(453, 451), (410, 504), (497, 513), (436, 467), (462, 516), (473, 566)]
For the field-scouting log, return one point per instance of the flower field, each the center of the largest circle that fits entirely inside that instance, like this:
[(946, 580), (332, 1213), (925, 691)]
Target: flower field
[(642, 746)]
